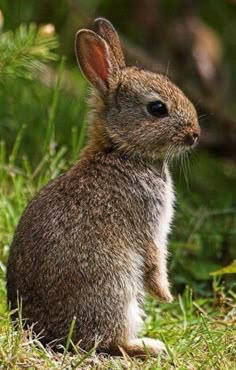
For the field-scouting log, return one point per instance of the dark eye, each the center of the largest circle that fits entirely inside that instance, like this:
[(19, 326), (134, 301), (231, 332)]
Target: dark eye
[(157, 109)]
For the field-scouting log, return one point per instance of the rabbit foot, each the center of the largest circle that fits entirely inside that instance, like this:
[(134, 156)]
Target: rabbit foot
[(145, 347)]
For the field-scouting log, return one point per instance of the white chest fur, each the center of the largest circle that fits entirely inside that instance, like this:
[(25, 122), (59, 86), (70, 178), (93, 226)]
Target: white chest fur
[(161, 194), (166, 212), (161, 201)]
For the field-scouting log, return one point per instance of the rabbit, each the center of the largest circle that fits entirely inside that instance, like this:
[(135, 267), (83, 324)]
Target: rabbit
[(93, 241)]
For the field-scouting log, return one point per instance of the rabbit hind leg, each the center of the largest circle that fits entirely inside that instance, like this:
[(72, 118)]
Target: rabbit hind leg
[(130, 344)]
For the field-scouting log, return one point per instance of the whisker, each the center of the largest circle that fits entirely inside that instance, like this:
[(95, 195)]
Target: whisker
[(167, 68), (186, 170), (178, 153), (168, 156), (188, 162), (203, 116)]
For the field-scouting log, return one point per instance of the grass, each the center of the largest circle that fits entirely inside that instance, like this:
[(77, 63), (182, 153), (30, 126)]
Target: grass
[(199, 334), (199, 328)]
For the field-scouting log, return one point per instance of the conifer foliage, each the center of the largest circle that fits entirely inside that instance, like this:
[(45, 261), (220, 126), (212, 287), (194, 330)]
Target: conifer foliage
[(26, 50)]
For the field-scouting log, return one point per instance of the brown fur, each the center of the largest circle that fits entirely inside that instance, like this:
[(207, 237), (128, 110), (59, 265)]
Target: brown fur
[(94, 239)]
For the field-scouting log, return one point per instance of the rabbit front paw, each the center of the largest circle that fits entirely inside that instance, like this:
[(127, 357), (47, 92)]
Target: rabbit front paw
[(160, 290), (164, 293)]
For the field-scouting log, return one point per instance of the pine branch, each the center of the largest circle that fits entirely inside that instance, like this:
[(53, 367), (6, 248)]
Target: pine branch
[(26, 51)]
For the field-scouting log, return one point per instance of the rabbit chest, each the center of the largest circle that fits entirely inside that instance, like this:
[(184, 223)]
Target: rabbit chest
[(160, 205)]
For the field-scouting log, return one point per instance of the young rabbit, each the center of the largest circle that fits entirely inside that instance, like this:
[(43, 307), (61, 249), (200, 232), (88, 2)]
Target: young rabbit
[(94, 240)]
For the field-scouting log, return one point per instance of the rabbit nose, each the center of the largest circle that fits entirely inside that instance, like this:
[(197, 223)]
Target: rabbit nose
[(191, 139)]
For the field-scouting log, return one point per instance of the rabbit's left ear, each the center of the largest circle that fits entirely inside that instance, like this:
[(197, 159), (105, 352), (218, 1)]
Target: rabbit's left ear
[(105, 29), (95, 59)]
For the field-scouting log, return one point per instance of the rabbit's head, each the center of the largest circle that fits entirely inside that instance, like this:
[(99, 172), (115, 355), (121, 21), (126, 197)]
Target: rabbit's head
[(136, 111)]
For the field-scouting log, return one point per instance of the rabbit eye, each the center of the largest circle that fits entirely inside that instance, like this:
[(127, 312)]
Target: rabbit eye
[(157, 109)]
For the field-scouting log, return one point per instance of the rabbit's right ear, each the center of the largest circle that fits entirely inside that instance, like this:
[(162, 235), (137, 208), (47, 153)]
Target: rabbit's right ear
[(95, 59), (105, 29)]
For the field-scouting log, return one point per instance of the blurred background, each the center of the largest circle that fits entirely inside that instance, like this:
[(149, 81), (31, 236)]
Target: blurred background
[(43, 113)]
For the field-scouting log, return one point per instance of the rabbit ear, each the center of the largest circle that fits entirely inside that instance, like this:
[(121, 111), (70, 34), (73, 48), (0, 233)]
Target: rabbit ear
[(105, 29), (95, 59)]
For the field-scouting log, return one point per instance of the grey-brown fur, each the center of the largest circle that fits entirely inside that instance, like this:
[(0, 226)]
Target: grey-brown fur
[(86, 245)]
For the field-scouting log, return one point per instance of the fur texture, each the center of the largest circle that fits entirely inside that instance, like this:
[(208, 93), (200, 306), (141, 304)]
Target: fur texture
[(94, 240)]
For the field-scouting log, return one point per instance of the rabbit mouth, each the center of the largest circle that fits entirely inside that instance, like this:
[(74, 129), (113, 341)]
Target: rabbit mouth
[(184, 144), (191, 140)]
